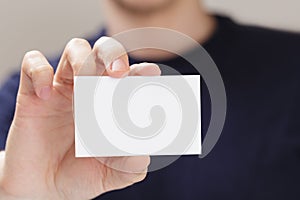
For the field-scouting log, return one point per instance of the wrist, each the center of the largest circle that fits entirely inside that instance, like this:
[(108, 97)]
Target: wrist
[(3, 193), (2, 161)]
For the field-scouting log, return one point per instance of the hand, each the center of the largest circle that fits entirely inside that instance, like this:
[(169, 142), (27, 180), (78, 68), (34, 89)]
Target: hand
[(39, 161)]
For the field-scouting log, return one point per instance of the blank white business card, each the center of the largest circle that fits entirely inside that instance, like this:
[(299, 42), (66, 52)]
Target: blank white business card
[(137, 115)]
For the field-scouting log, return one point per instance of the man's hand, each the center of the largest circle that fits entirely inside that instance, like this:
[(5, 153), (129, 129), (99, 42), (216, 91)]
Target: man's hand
[(39, 161)]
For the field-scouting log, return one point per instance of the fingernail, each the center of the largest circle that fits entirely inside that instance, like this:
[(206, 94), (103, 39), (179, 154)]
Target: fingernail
[(119, 65), (45, 93)]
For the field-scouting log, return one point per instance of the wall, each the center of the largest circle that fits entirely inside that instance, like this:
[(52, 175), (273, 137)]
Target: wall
[(48, 25)]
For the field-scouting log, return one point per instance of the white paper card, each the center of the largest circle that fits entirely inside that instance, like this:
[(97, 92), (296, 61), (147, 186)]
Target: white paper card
[(137, 115)]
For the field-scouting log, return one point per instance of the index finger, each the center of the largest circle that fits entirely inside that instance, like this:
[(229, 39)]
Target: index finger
[(110, 57), (73, 57)]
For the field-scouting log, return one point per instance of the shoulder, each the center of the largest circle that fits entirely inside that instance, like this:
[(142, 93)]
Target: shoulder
[(262, 48), (263, 60), (267, 41)]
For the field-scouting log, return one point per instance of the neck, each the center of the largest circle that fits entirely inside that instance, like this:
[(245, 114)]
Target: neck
[(187, 17)]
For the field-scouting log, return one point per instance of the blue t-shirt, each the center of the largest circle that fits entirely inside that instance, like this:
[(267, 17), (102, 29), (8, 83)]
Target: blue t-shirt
[(258, 154)]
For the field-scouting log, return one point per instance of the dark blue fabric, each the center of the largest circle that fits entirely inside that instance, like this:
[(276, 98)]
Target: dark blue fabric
[(258, 154)]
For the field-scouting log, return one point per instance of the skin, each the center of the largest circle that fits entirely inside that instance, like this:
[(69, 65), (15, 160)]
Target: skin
[(188, 17), (39, 161)]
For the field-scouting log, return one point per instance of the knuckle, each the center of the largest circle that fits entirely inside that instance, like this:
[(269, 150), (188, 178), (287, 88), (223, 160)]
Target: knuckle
[(75, 42), (35, 63), (72, 46), (136, 177), (108, 49), (147, 162), (101, 41), (142, 176), (107, 43), (41, 69), (31, 58), (40, 72), (32, 54)]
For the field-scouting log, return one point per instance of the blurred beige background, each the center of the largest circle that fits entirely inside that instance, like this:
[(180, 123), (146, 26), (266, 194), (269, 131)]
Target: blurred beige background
[(48, 25)]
